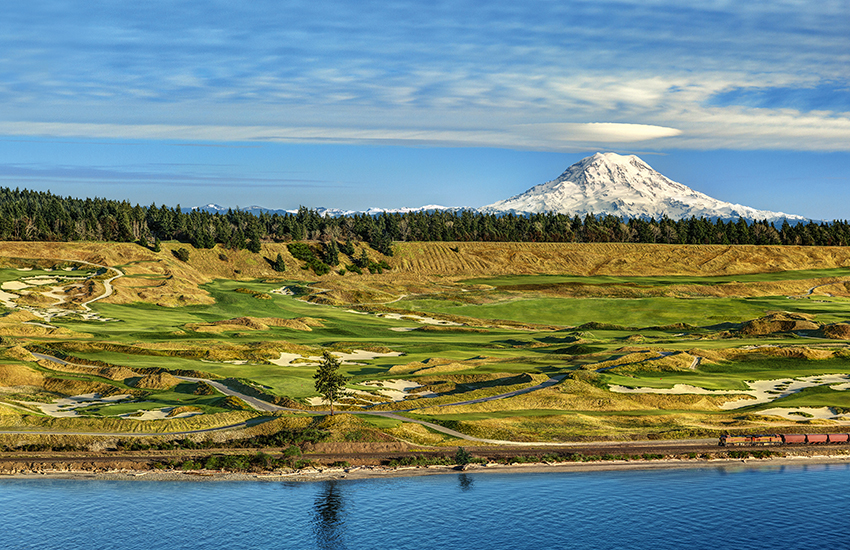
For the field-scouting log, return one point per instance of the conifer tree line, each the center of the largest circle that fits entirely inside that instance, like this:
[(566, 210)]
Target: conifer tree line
[(42, 216)]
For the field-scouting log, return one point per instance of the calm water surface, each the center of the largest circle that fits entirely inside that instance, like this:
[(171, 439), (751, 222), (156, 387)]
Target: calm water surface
[(798, 507)]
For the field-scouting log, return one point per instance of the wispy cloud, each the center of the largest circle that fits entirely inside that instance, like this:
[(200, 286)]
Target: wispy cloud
[(757, 74), (152, 174)]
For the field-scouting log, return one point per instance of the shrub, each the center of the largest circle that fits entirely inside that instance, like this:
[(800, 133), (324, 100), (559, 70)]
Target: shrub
[(462, 457), (181, 254)]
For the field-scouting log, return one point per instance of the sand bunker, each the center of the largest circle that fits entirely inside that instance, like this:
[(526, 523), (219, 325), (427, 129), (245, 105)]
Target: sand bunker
[(387, 390), (41, 280), (289, 359), (807, 413), (397, 390), (419, 319), (66, 407), (764, 391), (14, 285), (157, 414), (8, 300)]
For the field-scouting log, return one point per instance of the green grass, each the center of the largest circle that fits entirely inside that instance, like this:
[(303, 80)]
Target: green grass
[(521, 280), (731, 375), (818, 396), (632, 312)]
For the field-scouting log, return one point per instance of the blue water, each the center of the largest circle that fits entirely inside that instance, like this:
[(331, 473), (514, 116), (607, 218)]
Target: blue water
[(708, 508)]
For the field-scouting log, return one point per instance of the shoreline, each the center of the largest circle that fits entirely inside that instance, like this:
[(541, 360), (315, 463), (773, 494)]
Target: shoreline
[(382, 472)]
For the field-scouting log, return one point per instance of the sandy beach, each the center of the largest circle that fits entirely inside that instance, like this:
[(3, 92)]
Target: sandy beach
[(379, 472)]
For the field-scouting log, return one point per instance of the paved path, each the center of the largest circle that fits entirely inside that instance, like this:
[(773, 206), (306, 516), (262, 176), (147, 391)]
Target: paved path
[(264, 406)]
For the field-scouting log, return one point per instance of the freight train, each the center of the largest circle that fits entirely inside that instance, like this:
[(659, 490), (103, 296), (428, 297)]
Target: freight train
[(782, 439)]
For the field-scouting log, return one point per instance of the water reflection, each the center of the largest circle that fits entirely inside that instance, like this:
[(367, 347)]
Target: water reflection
[(329, 518), (465, 482)]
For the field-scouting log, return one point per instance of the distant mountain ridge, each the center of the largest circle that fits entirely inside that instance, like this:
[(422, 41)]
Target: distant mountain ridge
[(602, 184), (625, 186), (332, 212)]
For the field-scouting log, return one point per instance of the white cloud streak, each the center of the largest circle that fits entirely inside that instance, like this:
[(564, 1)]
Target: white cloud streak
[(541, 75)]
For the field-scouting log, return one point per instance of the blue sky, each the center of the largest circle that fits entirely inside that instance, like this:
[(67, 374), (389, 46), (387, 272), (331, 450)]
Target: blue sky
[(406, 103)]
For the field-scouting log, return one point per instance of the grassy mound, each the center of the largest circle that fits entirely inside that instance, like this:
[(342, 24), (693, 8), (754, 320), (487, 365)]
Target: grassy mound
[(160, 381), (778, 321), (837, 331), (73, 386), (19, 375), (255, 323)]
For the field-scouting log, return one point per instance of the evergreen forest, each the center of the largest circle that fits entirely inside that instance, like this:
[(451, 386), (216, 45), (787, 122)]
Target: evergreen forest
[(27, 215)]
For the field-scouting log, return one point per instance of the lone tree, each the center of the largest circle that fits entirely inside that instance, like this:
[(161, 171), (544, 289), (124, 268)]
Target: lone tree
[(329, 382)]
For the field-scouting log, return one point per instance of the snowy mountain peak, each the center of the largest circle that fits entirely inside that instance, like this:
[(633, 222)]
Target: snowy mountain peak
[(625, 186)]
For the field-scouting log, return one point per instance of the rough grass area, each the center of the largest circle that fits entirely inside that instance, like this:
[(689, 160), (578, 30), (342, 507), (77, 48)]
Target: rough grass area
[(714, 317)]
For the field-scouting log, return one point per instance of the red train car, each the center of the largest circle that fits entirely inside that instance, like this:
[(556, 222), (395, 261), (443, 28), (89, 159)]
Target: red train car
[(782, 439)]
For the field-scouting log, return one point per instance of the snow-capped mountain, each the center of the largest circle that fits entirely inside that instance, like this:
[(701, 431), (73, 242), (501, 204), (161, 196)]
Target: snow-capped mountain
[(625, 186)]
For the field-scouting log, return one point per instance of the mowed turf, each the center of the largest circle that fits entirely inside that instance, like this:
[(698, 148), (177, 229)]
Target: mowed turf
[(522, 280)]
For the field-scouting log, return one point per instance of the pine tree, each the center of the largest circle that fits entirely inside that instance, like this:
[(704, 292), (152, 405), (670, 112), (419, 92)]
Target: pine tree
[(332, 253), (329, 383)]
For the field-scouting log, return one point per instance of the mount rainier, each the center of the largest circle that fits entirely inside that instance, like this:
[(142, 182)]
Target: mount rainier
[(624, 186), (602, 184)]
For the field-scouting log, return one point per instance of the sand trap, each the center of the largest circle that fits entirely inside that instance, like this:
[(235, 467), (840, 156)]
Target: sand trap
[(24, 269), (8, 300), (397, 390), (390, 390), (419, 319), (288, 359), (764, 391), (156, 414), (402, 329), (283, 291), (65, 407), (809, 413), (41, 280), (14, 285)]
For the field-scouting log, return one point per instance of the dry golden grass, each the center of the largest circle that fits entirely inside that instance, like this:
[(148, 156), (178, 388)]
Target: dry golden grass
[(416, 433), (65, 386), (8, 412), (18, 352), (162, 279), (161, 381), (121, 425), (778, 321), (180, 410), (473, 259), (837, 331), (14, 324), (255, 323), (111, 373), (19, 375)]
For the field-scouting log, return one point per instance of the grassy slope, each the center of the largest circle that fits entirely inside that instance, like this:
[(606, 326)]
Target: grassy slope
[(206, 289)]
